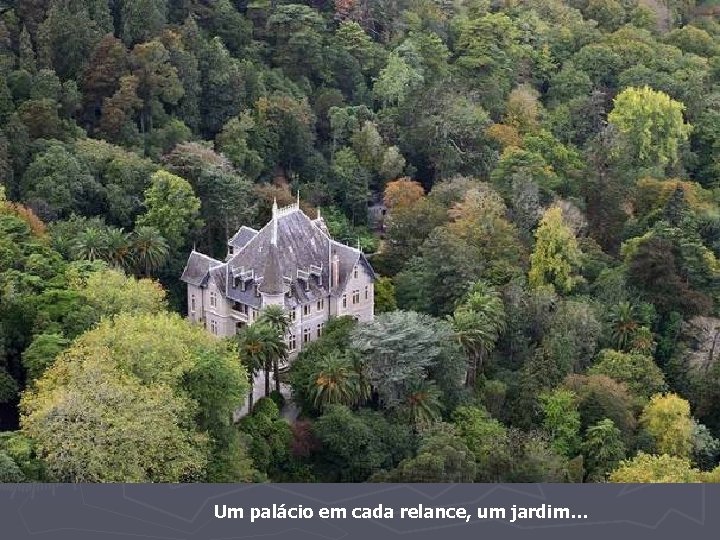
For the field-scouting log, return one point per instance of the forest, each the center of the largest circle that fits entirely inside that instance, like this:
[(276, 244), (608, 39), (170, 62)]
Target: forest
[(547, 303)]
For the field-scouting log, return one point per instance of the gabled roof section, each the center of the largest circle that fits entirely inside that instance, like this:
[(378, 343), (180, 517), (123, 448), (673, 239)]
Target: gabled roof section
[(242, 237), (348, 258), (197, 268)]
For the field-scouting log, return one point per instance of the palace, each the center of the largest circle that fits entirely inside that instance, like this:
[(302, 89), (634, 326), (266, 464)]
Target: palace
[(291, 262)]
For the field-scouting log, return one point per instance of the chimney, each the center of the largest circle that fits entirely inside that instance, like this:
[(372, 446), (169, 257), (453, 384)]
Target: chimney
[(335, 270)]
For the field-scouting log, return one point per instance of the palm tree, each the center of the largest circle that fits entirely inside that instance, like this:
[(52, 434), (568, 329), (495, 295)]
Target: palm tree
[(623, 325), (251, 350), (478, 323), (335, 381), (275, 317), (422, 404), (643, 341), (91, 244), (150, 249), (259, 346), (118, 251)]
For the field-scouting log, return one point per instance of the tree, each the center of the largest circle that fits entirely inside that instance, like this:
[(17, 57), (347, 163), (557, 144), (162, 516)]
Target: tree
[(172, 208), (384, 295), (638, 371), (125, 432), (624, 325), (354, 446), (141, 19), (276, 318), (442, 457), (335, 382), (150, 250), (151, 397), (117, 122), (66, 38), (652, 126), (295, 31), (478, 244), (646, 468), (654, 265), (666, 418), (351, 184), (233, 142), (397, 351), (561, 421), (402, 193), (602, 449), (42, 353), (423, 406), (600, 397), (259, 346), (478, 323), (556, 256), (110, 292), (9, 471), (489, 49), (101, 78), (487, 439), (397, 80), (270, 436), (56, 184)]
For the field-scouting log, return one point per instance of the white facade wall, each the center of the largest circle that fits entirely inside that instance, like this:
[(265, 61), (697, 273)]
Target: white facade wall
[(358, 297), (216, 313)]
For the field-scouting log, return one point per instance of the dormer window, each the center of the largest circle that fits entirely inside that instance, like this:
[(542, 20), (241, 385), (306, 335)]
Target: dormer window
[(355, 272), (231, 250)]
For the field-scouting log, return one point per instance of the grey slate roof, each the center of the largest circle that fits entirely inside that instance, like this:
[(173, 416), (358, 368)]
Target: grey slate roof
[(242, 237), (301, 243), (272, 282), (197, 268)]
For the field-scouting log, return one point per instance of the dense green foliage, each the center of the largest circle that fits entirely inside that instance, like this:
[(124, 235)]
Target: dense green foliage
[(549, 246)]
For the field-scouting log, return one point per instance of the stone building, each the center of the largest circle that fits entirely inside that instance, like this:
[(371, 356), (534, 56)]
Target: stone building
[(291, 262)]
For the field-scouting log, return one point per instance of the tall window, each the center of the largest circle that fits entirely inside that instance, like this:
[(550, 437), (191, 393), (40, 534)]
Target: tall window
[(192, 303), (344, 300), (213, 299), (321, 304), (367, 292), (292, 343), (293, 315), (319, 330), (306, 335), (306, 309), (356, 297), (213, 327), (355, 272)]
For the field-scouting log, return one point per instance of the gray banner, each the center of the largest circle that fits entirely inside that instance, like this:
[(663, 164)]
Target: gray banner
[(97, 512)]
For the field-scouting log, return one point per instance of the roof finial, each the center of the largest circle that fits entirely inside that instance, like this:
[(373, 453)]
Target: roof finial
[(298, 198), (318, 213), (273, 241)]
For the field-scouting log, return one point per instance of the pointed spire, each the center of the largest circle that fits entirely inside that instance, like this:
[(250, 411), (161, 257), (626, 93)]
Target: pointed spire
[(273, 240), (318, 213), (298, 198)]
